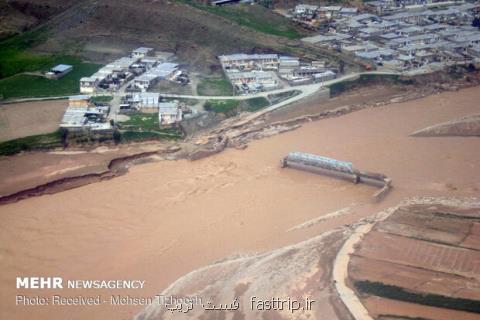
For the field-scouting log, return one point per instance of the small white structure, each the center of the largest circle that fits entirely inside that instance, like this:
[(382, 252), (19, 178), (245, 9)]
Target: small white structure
[(254, 79), (145, 81), (59, 71), (249, 61), (141, 52), (163, 71), (324, 76), (169, 113), (88, 84), (147, 101), (288, 62)]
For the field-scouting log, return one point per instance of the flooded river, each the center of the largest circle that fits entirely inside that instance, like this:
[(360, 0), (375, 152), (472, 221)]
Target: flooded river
[(165, 219)]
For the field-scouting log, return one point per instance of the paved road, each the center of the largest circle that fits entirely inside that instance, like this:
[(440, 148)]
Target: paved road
[(304, 88)]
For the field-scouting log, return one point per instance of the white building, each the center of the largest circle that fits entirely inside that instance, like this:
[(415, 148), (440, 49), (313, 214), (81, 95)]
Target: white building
[(256, 80), (88, 84), (164, 71), (169, 113), (146, 101), (324, 76), (142, 52), (249, 61), (82, 115)]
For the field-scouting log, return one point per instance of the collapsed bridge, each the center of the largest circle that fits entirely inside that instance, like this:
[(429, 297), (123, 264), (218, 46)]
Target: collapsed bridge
[(338, 169)]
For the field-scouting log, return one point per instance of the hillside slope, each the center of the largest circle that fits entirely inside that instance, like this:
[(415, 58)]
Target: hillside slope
[(19, 15), (100, 30)]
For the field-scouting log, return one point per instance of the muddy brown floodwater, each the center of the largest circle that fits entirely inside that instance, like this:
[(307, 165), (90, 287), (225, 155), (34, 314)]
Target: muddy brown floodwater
[(167, 218)]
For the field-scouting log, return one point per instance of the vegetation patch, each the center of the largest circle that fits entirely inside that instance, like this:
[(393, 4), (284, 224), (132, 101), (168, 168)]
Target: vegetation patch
[(101, 99), (145, 126), (141, 121), (227, 107), (255, 104), (170, 133), (434, 300), (255, 17), (24, 86), (368, 79), (215, 86), (38, 142), (186, 101), (15, 61)]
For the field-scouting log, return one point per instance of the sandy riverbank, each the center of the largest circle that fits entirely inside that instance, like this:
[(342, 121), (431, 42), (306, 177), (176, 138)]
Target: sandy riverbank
[(167, 218)]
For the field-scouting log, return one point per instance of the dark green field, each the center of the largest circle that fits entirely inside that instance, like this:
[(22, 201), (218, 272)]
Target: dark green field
[(255, 104), (434, 300), (24, 86)]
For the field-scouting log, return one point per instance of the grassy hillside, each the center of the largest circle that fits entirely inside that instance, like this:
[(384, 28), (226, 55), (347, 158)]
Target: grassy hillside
[(255, 17)]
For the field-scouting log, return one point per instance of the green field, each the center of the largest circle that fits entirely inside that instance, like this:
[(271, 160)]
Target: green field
[(32, 143), (145, 126), (227, 107), (215, 86), (255, 17), (24, 86), (101, 99), (255, 104), (15, 60)]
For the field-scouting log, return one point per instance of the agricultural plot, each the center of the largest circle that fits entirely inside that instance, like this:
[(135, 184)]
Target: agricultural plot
[(424, 255)]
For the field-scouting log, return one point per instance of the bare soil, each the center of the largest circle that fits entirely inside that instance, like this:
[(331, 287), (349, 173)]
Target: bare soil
[(466, 126), (19, 120)]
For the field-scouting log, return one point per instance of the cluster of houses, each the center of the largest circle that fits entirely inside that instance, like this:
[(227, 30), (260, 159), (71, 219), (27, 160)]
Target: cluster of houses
[(82, 115), (408, 39), (139, 71), (312, 15), (262, 72)]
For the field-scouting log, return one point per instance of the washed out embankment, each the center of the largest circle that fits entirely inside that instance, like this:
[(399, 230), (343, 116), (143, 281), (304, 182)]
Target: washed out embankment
[(116, 167)]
